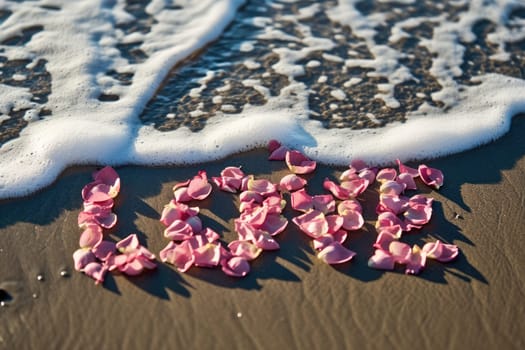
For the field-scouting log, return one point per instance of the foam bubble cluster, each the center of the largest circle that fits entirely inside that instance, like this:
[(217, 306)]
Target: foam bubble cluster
[(86, 82)]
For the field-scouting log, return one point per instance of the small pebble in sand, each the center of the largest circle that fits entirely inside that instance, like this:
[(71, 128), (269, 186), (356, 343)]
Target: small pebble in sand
[(40, 277), (239, 314), (3, 303), (64, 273), (35, 295)]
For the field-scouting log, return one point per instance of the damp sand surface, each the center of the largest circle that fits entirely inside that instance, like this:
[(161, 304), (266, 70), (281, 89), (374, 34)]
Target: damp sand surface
[(290, 299)]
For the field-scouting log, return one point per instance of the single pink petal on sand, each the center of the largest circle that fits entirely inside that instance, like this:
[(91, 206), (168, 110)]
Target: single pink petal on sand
[(355, 187), (261, 186), (383, 240), (416, 261), (420, 199), (381, 260), (301, 201), (349, 204), (313, 223), (406, 169), (82, 257), (264, 241), (199, 188), (431, 176), (109, 176), (95, 192), (236, 266), (407, 181), (179, 255), (338, 191), (440, 251), (91, 236), (324, 203), (181, 194), (104, 250), (244, 249), (97, 271), (208, 255), (386, 174), (279, 153), (298, 163), (400, 251), (418, 214), (393, 203), (128, 244), (274, 224), (391, 187), (388, 219), (292, 182), (179, 230), (352, 220), (335, 253), (325, 240)]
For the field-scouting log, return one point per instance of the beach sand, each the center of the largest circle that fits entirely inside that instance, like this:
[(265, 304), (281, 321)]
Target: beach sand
[(290, 299)]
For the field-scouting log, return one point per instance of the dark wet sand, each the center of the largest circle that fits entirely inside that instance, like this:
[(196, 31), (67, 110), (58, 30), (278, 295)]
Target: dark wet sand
[(290, 299)]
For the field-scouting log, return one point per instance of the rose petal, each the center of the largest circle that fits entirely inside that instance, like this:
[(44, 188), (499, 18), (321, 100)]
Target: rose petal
[(416, 261), (301, 201), (104, 250), (401, 252), (181, 194), (298, 163), (96, 270), (407, 181), (386, 174), (199, 188), (109, 176), (393, 203), (82, 257), (383, 240), (292, 182), (406, 169), (381, 260), (91, 236), (431, 176), (261, 186), (440, 251), (179, 255), (244, 249), (208, 255), (313, 223), (352, 220), (179, 230), (418, 214), (274, 224), (236, 267), (128, 244), (335, 253)]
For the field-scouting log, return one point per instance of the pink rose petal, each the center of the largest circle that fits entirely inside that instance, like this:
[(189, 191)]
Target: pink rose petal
[(199, 188), (393, 203), (386, 174), (180, 255), (335, 253), (97, 271), (292, 182), (418, 214), (384, 238), (109, 176), (91, 236), (381, 260), (313, 223), (83, 257), (440, 251), (298, 163), (208, 255), (261, 186), (104, 250), (406, 169), (407, 181), (352, 220), (179, 230), (244, 249), (416, 261), (401, 252), (274, 224), (430, 176), (236, 267)]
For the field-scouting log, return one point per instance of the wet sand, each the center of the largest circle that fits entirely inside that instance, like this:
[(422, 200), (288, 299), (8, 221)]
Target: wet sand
[(290, 299)]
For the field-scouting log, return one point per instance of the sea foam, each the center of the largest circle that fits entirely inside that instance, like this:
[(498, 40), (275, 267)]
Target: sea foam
[(107, 61)]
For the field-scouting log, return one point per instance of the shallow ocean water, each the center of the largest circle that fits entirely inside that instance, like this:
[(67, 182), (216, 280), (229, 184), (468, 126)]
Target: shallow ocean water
[(165, 82)]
